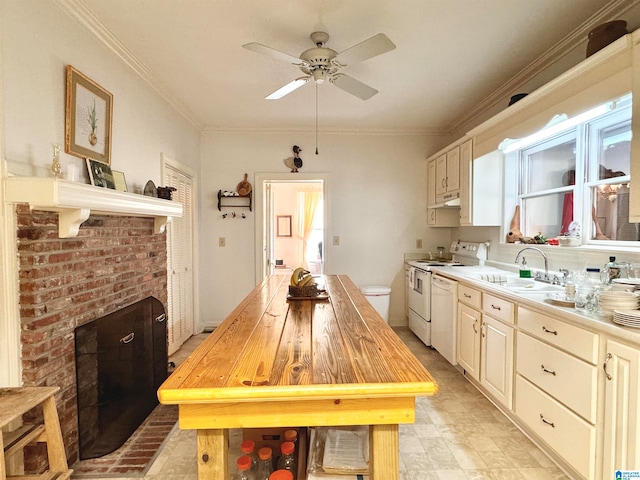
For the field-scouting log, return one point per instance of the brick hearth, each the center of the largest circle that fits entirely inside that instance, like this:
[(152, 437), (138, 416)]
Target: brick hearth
[(67, 282)]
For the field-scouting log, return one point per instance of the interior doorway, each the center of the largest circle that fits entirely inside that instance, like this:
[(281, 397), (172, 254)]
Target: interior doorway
[(291, 223)]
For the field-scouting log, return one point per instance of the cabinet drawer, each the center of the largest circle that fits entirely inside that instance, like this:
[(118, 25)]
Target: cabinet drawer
[(573, 339), (564, 377), (569, 435), (470, 296), (498, 308)]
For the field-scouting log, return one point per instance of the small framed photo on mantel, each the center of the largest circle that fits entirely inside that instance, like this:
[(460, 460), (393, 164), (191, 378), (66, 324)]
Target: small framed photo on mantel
[(100, 174), (89, 108)]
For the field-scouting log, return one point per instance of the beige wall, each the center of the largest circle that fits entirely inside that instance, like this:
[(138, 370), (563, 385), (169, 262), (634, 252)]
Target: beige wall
[(376, 205)]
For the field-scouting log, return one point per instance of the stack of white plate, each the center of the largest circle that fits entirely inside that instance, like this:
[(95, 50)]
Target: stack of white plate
[(628, 318), (628, 284), (610, 300)]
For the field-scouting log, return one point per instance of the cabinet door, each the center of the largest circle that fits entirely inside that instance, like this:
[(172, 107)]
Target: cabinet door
[(441, 174), (496, 359), (431, 183), (453, 170), (621, 409), (469, 340)]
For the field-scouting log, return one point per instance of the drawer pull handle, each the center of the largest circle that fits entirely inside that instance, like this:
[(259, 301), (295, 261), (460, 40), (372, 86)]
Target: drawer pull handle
[(474, 327), (466, 295), (495, 308), (547, 371), (128, 338), (546, 330), (604, 365), (546, 421)]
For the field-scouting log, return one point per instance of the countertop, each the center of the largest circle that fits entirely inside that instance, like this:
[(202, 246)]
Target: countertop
[(538, 301)]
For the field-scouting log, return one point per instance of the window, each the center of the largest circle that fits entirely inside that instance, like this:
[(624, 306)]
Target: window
[(573, 176)]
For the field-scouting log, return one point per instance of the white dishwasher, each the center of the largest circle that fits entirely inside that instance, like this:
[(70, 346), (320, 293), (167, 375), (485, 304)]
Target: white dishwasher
[(444, 297)]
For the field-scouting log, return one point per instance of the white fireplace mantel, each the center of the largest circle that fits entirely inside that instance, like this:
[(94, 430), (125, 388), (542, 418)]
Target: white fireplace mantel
[(74, 202)]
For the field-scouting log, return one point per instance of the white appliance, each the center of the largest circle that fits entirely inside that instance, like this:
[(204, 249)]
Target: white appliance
[(419, 301), (444, 299), (421, 309)]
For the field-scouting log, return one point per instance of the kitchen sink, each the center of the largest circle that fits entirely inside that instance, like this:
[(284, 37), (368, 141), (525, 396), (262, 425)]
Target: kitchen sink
[(523, 285), (516, 284)]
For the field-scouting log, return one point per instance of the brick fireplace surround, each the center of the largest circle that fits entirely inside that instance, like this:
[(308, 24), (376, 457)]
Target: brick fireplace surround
[(66, 282)]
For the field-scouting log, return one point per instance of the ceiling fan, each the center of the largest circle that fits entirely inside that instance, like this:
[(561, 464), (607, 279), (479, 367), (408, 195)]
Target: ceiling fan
[(324, 64)]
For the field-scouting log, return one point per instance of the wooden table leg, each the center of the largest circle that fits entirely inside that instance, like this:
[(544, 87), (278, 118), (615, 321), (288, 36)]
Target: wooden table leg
[(212, 448), (384, 452)]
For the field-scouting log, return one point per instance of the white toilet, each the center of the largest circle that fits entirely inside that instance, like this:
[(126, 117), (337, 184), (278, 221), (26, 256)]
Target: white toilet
[(378, 296)]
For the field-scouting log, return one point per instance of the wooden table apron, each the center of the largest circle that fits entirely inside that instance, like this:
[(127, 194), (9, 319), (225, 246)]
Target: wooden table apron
[(299, 363)]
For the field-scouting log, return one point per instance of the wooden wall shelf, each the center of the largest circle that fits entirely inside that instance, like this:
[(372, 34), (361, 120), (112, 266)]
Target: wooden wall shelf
[(235, 201)]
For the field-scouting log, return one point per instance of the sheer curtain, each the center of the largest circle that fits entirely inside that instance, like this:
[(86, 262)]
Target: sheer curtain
[(308, 208)]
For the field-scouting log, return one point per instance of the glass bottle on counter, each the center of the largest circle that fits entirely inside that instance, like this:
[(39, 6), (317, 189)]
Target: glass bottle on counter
[(248, 448), (265, 463), (586, 292), (288, 460), (611, 270), (281, 475), (243, 465), (291, 435)]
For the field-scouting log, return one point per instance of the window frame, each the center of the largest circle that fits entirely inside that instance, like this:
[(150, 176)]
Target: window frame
[(517, 168)]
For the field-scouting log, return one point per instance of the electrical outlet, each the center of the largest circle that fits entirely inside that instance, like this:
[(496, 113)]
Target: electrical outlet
[(419, 243), (336, 240), (222, 242)]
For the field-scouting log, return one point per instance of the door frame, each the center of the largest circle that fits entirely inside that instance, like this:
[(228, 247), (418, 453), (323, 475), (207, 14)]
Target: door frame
[(258, 187)]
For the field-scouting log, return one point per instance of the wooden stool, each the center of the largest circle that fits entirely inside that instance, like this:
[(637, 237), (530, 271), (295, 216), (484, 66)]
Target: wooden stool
[(14, 402)]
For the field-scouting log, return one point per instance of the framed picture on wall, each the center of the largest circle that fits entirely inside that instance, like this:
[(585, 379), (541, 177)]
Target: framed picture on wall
[(89, 108), (283, 224)]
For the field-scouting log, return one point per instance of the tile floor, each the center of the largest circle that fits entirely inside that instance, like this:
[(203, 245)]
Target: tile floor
[(458, 434)]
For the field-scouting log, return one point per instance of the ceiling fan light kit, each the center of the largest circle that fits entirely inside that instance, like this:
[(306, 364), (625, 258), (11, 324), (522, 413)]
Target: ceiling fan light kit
[(324, 64)]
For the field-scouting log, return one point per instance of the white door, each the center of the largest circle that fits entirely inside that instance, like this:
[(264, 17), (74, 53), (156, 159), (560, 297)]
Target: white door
[(180, 281)]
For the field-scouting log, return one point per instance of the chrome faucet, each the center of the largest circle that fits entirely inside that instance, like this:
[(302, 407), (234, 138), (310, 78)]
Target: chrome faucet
[(546, 278)]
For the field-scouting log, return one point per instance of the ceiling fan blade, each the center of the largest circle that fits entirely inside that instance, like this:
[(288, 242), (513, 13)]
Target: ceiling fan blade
[(272, 52), (288, 88), (353, 86), (376, 45)]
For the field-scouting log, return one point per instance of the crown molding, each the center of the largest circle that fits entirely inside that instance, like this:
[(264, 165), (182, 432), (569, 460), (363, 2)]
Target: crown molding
[(85, 17), (577, 37), (430, 132)]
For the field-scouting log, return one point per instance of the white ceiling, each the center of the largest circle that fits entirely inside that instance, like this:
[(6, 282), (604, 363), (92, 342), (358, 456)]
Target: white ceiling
[(451, 55)]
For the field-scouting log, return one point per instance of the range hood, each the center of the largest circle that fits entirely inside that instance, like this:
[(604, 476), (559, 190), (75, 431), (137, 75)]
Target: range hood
[(451, 200)]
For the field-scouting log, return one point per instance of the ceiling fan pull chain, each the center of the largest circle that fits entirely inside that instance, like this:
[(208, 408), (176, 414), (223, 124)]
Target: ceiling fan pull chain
[(316, 119)]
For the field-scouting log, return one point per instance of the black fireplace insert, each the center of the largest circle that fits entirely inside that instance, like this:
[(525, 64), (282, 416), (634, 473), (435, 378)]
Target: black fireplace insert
[(121, 361)]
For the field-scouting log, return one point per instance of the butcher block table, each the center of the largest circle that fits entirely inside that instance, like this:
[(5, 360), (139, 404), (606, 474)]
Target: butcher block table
[(276, 362)]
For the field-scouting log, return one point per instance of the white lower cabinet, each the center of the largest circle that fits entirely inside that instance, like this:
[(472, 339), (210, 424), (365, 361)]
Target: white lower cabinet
[(565, 377), (468, 338), (564, 431), (621, 441), (496, 359), (551, 373), (485, 343)]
